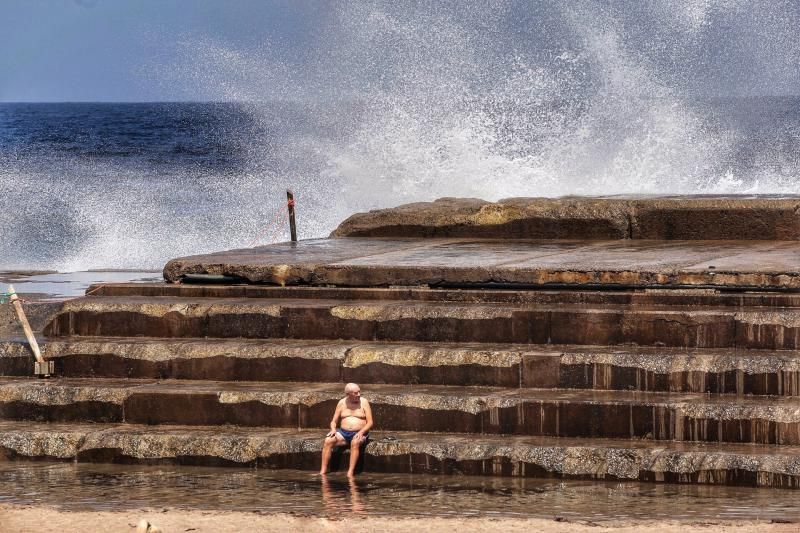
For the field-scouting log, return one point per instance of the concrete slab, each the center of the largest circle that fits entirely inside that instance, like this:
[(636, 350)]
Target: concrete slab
[(381, 262)]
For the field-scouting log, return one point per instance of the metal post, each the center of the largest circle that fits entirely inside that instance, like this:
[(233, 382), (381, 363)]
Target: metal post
[(41, 367), (292, 224)]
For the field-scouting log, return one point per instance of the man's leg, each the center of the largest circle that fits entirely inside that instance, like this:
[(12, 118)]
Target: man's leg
[(355, 451), (327, 449)]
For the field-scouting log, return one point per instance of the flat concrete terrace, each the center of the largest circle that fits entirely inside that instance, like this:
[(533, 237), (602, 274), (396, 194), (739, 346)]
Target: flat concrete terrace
[(724, 242), (382, 262)]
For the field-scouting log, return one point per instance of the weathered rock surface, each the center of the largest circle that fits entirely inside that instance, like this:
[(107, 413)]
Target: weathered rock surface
[(684, 218), (442, 321), (385, 262), (283, 264), (706, 218), (38, 314), (409, 452), (691, 297), (654, 369), (476, 410), (670, 241), (540, 218)]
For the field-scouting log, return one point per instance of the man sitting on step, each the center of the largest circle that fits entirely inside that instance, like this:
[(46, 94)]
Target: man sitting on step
[(353, 429)]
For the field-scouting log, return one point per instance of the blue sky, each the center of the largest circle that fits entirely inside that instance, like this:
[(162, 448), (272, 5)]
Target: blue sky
[(112, 50), (175, 50)]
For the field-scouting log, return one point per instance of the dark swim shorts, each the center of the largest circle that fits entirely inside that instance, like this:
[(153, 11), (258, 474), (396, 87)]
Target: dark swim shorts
[(348, 436)]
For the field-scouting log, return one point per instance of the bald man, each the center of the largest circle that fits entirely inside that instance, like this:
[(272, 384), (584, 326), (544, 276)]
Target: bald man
[(350, 426)]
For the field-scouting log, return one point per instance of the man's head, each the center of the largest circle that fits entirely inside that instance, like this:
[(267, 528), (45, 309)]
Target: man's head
[(352, 390)]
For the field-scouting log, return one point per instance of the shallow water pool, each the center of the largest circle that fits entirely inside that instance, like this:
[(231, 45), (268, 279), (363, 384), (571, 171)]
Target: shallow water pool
[(82, 487)]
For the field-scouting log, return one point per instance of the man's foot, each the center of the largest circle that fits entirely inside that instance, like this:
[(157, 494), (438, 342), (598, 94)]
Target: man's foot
[(321, 473), (351, 474)]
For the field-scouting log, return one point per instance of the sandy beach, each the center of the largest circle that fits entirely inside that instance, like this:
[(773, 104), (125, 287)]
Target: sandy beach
[(47, 519)]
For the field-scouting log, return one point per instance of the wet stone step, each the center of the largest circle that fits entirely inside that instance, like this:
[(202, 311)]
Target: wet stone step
[(657, 369), (273, 360), (430, 322), (758, 372), (647, 297), (540, 412), (199, 359), (405, 452)]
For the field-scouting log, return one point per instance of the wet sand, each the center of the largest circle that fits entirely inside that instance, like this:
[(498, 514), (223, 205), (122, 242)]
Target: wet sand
[(47, 519)]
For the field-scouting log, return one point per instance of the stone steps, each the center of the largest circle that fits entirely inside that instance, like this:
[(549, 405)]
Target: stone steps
[(653, 369), (397, 320), (476, 410), (544, 296), (537, 356), (408, 452)]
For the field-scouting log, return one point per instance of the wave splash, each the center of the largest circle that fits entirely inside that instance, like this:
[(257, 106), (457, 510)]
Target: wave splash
[(508, 100), (393, 104)]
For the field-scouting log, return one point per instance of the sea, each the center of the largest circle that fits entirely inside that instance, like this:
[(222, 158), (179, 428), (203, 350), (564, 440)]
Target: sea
[(131, 185)]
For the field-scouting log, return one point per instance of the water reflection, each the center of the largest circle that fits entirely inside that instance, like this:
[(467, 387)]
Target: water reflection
[(72, 486), (339, 497), (62, 285)]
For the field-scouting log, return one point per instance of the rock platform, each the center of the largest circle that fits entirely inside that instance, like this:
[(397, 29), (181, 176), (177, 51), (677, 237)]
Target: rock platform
[(597, 338), (717, 242)]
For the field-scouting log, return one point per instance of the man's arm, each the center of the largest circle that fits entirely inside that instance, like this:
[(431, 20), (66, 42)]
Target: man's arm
[(368, 412), (335, 420)]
